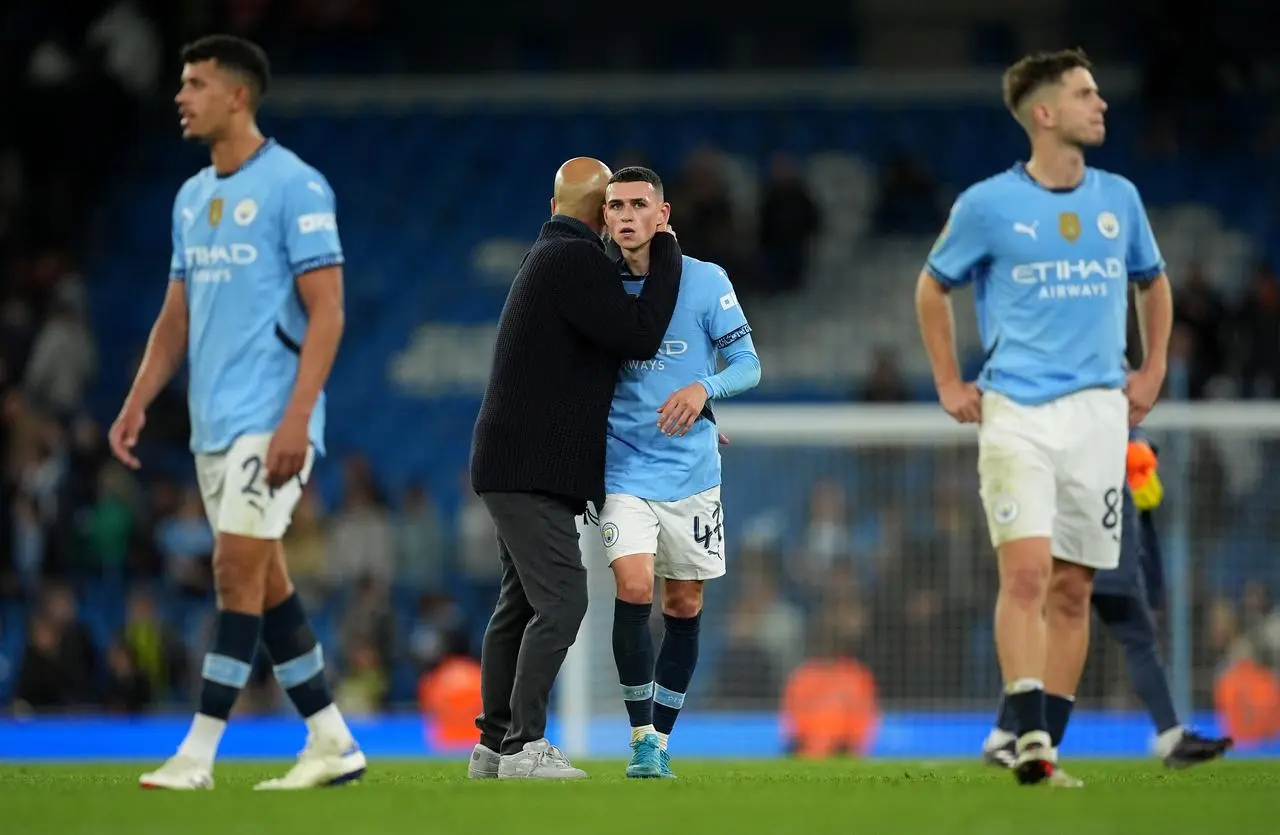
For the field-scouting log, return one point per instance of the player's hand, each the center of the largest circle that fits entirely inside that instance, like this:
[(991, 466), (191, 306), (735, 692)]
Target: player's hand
[(123, 436), (1143, 391), (287, 452), (682, 409), (962, 401), (723, 438)]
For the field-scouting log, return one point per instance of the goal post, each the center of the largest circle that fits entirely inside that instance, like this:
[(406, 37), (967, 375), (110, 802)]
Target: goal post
[(857, 530)]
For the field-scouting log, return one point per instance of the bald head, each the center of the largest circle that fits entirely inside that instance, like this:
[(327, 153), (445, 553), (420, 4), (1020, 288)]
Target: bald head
[(579, 190)]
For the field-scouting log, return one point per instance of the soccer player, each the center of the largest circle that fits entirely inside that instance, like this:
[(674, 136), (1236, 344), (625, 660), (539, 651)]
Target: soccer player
[(1124, 599), (662, 514), (255, 303), (1050, 246)]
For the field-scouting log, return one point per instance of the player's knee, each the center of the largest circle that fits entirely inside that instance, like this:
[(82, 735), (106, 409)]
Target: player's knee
[(1069, 593), (1025, 585), (681, 598), (1024, 574), (633, 576), (633, 591), (239, 572)]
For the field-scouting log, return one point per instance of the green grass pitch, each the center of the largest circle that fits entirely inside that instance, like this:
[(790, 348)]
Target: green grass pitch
[(709, 798)]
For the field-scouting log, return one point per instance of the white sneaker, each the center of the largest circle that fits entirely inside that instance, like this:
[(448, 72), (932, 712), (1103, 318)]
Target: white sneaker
[(484, 763), (538, 760), (181, 773), (320, 764)]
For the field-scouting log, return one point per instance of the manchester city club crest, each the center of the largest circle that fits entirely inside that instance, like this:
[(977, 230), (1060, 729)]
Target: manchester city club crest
[(609, 534), (1109, 226), (215, 211), (246, 211), (1069, 226), (1004, 509)]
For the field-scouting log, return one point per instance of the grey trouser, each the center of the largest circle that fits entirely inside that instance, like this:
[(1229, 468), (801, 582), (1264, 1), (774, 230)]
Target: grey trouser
[(536, 620)]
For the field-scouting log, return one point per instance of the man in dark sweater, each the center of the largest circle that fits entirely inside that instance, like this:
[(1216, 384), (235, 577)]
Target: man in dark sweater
[(538, 452)]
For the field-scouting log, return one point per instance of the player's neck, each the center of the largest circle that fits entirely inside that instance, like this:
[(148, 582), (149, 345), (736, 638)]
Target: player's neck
[(232, 152), (637, 260), (1056, 167)]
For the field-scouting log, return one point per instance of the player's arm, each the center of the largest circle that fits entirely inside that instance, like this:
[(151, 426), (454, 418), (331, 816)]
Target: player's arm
[(741, 372), (960, 249), (315, 256), (1154, 306), (726, 323), (321, 294), (726, 326), (590, 296), (165, 351)]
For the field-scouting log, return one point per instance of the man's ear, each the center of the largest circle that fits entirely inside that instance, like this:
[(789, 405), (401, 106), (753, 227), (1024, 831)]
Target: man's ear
[(1038, 113)]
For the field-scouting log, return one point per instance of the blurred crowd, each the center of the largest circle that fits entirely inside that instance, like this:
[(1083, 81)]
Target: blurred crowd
[(105, 579)]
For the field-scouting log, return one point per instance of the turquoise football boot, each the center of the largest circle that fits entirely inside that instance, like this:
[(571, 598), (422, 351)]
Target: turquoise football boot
[(664, 762), (645, 759)]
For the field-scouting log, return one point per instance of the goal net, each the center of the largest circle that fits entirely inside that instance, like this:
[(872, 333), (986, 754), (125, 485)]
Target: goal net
[(861, 585)]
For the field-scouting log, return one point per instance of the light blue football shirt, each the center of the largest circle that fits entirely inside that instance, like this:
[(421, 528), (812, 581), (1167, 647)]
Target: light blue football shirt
[(639, 459), (1050, 271), (239, 242)]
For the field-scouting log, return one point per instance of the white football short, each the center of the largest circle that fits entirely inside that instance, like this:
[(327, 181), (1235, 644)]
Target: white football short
[(234, 487), (686, 536), (1056, 470)]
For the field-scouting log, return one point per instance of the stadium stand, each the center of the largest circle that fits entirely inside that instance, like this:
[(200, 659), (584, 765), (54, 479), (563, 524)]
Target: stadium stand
[(437, 200)]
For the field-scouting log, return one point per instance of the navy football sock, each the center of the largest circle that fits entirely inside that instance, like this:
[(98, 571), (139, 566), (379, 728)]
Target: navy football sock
[(633, 653), (229, 663), (1006, 719), (676, 662), (1057, 713), (298, 658), (1026, 700)]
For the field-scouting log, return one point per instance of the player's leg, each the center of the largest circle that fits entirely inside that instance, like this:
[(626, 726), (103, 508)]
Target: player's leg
[(1128, 618), (690, 552), (498, 659), (239, 573), (682, 622), (629, 532), (1019, 495), (331, 756), (1067, 627), (1087, 538), (1025, 570)]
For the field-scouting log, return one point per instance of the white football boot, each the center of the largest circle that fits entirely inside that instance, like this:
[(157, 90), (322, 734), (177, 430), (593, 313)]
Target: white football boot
[(321, 763), (180, 772)]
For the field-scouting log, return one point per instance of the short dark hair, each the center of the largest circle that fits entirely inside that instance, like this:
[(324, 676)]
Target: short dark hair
[(1027, 76), (241, 56), (637, 174)]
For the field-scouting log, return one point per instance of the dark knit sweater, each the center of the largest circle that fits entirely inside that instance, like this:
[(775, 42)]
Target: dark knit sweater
[(567, 325)]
